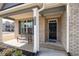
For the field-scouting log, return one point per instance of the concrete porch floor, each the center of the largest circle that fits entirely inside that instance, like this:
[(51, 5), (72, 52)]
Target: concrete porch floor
[(46, 49), (51, 52), (52, 49), (20, 45)]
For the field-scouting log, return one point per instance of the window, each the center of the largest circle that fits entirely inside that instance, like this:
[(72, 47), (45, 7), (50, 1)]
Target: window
[(26, 27)]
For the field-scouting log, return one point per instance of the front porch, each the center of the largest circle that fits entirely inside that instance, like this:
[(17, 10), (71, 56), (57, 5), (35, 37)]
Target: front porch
[(37, 29)]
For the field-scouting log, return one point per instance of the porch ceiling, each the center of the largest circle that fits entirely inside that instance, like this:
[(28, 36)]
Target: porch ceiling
[(22, 16), (21, 11)]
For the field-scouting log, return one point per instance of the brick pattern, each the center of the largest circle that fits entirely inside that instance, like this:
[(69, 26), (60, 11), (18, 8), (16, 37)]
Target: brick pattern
[(74, 28), (63, 29)]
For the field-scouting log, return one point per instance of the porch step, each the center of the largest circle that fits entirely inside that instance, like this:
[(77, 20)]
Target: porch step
[(52, 46)]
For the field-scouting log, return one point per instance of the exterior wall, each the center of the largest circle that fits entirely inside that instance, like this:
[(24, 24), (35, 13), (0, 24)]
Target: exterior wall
[(60, 21), (74, 28), (46, 30), (42, 29), (59, 29), (16, 28), (63, 30), (50, 14)]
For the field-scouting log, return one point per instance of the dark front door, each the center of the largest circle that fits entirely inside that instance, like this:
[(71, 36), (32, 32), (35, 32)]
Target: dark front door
[(52, 31)]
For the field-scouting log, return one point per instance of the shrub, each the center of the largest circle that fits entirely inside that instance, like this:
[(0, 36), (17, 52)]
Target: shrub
[(18, 52)]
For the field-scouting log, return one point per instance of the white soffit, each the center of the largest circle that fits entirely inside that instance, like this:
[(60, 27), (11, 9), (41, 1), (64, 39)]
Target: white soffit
[(52, 5), (22, 16)]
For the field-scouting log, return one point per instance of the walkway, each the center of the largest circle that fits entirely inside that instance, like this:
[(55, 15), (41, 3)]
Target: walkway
[(51, 52)]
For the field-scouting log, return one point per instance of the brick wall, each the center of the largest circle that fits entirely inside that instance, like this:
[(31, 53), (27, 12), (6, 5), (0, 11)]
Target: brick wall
[(74, 28)]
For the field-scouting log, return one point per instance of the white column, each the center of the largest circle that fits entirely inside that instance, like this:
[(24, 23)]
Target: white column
[(67, 10), (36, 30), (1, 30)]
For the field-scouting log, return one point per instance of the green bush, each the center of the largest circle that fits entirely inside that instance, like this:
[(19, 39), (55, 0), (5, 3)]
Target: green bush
[(18, 53)]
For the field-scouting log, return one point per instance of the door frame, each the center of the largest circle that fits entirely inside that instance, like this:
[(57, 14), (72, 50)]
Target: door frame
[(56, 26)]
